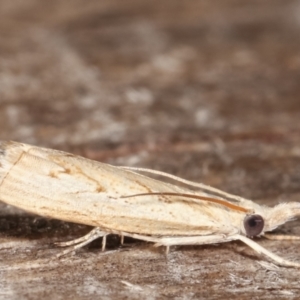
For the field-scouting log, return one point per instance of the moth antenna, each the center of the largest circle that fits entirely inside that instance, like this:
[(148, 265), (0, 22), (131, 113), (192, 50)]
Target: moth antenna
[(187, 182), (192, 196)]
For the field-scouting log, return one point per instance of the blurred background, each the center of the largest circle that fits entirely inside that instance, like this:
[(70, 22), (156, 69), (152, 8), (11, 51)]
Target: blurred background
[(207, 90)]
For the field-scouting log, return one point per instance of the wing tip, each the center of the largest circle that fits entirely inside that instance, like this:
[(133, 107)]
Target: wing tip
[(9, 153)]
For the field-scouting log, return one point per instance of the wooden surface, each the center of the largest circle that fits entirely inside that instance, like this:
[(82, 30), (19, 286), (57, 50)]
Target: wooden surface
[(207, 90)]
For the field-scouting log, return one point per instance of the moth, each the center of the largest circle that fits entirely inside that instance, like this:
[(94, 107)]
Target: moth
[(120, 200)]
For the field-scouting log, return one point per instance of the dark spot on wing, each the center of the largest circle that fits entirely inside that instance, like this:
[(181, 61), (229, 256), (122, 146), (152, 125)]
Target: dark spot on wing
[(143, 185), (67, 171), (2, 150), (100, 189), (76, 170), (165, 200), (53, 174)]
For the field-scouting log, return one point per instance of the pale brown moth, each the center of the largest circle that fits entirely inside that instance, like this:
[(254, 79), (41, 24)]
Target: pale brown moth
[(119, 200)]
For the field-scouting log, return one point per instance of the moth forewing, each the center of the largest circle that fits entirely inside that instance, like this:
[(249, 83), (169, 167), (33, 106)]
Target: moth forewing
[(71, 188), (118, 200)]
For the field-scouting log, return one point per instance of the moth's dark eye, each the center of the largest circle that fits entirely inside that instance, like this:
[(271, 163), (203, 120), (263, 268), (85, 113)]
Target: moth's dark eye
[(254, 225)]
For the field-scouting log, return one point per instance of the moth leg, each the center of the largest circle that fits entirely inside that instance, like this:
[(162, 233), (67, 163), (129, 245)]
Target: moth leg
[(188, 240), (95, 231), (194, 240), (121, 239), (104, 242), (261, 250), (213, 239), (86, 239), (173, 241), (281, 237), (167, 250)]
